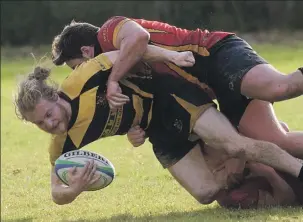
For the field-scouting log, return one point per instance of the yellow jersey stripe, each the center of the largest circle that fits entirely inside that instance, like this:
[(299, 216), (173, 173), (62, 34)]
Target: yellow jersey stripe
[(186, 75), (155, 31), (136, 88), (194, 111), (56, 147), (150, 113), (103, 61), (74, 83), (87, 108), (117, 29), (138, 106)]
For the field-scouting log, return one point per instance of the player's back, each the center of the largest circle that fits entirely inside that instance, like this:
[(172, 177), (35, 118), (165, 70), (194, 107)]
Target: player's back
[(180, 39), (170, 37)]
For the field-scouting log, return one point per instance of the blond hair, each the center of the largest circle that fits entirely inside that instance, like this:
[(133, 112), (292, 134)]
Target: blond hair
[(31, 89)]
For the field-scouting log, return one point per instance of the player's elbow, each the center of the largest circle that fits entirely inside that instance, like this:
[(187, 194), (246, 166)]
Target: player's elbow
[(138, 41), (61, 199), (58, 202), (142, 37)]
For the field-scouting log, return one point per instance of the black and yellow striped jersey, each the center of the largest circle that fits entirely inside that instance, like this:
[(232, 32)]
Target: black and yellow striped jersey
[(91, 117)]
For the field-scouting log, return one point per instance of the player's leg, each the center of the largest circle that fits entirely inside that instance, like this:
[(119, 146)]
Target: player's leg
[(244, 72), (264, 82), (226, 80), (187, 165), (215, 129), (260, 122), (183, 107)]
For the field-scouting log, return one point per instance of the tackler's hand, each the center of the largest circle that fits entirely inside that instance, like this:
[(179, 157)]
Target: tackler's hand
[(114, 95), (136, 136), (184, 59)]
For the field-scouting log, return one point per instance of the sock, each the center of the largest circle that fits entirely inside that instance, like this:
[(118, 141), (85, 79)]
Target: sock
[(301, 174)]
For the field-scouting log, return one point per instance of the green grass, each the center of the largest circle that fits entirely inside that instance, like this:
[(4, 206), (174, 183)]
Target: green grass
[(142, 190)]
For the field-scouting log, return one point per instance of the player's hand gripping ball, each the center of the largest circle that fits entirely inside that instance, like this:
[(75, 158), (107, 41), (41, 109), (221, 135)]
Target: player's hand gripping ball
[(78, 158)]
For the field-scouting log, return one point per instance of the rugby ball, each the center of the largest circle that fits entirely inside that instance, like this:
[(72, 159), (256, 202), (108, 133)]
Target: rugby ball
[(79, 158)]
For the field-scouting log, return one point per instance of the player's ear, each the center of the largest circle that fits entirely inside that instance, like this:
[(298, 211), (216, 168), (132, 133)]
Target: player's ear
[(87, 52)]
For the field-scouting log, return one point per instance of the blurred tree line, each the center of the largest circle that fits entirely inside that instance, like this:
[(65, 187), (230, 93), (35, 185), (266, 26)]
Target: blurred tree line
[(36, 22)]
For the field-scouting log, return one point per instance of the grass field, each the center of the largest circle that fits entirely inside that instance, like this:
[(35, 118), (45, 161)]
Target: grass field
[(142, 190)]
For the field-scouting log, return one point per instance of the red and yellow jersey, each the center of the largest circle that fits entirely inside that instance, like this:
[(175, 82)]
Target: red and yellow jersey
[(165, 36), (162, 35)]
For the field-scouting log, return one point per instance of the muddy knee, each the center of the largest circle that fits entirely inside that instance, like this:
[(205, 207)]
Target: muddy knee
[(206, 196)]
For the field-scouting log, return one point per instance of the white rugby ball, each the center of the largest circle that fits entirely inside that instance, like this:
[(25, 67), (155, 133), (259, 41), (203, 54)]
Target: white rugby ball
[(79, 158)]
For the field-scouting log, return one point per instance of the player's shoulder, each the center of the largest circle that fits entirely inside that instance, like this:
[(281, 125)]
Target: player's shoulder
[(74, 82), (56, 145)]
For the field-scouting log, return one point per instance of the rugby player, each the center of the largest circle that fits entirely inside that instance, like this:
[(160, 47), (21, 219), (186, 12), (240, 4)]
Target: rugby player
[(226, 67), (168, 110)]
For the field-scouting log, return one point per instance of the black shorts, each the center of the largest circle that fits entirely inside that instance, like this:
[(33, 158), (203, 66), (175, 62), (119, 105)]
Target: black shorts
[(230, 59), (169, 150), (177, 106)]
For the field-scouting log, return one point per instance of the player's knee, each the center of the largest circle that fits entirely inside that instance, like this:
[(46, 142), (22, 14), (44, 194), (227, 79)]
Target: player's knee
[(284, 126), (205, 199), (206, 196)]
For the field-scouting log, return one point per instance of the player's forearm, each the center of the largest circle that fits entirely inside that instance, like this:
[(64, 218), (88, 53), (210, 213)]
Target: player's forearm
[(131, 52), (157, 54), (63, 195)]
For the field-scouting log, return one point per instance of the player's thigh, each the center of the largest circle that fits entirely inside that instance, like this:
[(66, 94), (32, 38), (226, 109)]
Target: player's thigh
[(235, 58), (193, 174), (218, 132), (260, 122), (264, 82)]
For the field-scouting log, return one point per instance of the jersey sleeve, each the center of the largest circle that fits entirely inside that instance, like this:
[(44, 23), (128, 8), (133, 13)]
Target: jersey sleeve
[(108, 32), (60, 144), (78, 80), (56, 147), (103, 61)]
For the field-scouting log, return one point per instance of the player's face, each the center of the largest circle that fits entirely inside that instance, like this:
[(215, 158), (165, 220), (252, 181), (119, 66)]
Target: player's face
[(49, 116)]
